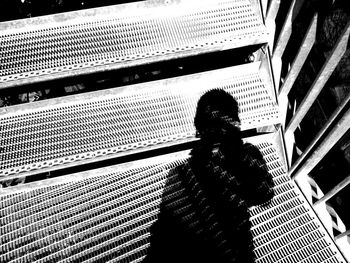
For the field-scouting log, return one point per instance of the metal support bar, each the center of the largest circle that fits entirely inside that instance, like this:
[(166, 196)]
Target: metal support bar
[(334, 191), (270, 20), (273, 9), (332, 138), (286, 31), (321, 79), (346, 233), (321, 133), (301, 56), (264, 4)]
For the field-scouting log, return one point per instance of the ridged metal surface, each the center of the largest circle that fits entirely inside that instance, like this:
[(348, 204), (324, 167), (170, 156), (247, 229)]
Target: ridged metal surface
[(105, 215), (118, 36), (105, 124)]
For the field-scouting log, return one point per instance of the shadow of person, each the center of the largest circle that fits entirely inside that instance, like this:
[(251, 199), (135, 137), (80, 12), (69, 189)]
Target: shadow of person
[(204, 213)]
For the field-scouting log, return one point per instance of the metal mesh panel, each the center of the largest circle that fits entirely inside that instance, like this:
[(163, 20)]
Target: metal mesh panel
[(105, 38), (106, 214), (89, 126)]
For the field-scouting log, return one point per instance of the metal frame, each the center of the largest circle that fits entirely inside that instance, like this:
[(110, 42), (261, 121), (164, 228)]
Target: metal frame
[(339, 121)]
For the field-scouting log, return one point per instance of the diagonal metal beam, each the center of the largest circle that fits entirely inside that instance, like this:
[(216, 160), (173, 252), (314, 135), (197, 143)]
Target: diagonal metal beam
[(301, 56), (286, 31), (321, 133), (331, 139), (321, 79)]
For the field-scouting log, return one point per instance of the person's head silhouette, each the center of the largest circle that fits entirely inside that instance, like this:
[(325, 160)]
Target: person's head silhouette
[(216, 118)]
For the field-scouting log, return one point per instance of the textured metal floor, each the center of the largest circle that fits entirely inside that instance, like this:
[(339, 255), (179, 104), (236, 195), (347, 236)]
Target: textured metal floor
[(100, 39), (45, 135), (105, 214)]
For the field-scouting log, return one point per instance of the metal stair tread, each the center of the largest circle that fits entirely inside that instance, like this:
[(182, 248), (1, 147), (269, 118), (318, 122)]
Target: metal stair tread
[(106, 38), (78, 129), (271, 243)]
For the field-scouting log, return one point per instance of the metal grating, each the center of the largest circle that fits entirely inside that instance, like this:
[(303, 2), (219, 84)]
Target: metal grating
[(105, 124), (105, 215), (118, 36)]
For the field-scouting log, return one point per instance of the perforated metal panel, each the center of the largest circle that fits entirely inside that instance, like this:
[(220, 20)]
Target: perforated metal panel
[(105, 214), (112, 37), (108, 123)]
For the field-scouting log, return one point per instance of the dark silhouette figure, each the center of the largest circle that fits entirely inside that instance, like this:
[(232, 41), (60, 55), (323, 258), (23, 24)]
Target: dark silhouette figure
[(204, 211)]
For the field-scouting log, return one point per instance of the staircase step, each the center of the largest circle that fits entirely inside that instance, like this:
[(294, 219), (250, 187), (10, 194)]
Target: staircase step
[(64, 132), (120, 36), (106, 214)]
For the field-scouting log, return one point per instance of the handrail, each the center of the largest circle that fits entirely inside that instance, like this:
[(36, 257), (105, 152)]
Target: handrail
[(303, 52), (321, 79), (332, 138), (286, 31), (322, 132), (338, 123)]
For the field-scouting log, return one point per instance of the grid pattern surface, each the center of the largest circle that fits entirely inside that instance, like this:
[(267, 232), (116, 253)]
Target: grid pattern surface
[(107, 123), (105, 215), (126, 33)]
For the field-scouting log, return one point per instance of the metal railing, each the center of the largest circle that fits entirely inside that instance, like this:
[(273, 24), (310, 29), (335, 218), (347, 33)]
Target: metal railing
[(337, 125)]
